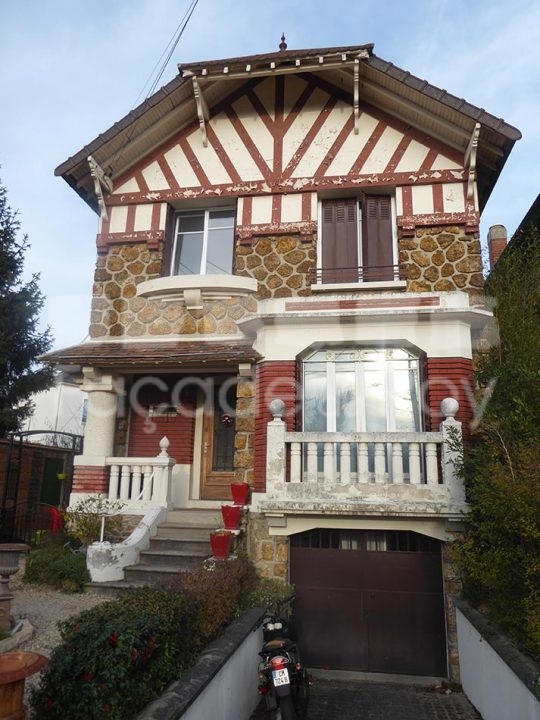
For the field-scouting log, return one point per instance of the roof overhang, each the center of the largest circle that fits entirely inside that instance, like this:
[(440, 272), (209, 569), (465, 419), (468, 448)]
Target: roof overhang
[(151, 356), (200, 86)]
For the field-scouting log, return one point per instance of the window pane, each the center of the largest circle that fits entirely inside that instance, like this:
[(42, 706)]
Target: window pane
[(188, 254), (220, 251), (221, 219), (194, 222), (375, 394), (345, 398), (315, 399)]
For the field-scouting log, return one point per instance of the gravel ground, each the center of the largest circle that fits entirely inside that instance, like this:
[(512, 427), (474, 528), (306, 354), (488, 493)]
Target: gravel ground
[(43, 608)]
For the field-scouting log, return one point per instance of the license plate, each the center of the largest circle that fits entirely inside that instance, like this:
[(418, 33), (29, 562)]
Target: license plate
[(280, 677)]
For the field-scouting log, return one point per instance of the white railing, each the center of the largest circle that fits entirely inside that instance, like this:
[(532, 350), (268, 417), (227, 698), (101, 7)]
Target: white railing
[(344, 458), (141, 482), (302, 462)]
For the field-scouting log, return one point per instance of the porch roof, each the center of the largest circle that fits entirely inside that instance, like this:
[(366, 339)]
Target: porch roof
[(165, 354)]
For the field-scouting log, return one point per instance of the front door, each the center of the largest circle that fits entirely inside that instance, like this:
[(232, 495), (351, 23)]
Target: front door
[(217, 464)]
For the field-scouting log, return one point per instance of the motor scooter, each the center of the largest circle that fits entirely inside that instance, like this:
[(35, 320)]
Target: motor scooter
[(283, 680)]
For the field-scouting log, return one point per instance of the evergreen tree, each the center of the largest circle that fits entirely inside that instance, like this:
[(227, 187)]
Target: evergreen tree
[(21, 342)]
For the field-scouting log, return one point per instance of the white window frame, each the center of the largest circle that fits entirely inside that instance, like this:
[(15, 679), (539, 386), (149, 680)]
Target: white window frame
[(198, 211)]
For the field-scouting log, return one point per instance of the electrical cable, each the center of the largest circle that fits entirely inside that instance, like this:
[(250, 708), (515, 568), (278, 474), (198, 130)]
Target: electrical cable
[(173, 42)]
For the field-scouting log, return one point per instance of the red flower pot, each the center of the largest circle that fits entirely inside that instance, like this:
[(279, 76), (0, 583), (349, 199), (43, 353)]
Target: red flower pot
[(231, 516), (240, 493), (220, 542)]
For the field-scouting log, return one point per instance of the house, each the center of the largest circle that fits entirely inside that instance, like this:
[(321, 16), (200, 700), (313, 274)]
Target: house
[(288, 286), (60, 409)]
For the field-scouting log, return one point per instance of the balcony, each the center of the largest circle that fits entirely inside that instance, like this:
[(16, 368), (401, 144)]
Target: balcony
[(397, 474)]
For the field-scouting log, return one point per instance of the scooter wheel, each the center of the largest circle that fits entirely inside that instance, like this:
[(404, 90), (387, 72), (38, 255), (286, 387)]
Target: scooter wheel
[(286, 707)]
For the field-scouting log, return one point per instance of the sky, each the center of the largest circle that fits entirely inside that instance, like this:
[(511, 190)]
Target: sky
[(70, 69)]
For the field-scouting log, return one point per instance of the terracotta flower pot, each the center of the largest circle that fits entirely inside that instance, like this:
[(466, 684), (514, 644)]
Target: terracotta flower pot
[(220, 542), (231, 516), (15, 667), (240, 493)]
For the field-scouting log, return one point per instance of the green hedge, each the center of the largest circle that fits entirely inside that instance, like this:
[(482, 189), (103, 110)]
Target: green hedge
[(120, 655), (57, 567)]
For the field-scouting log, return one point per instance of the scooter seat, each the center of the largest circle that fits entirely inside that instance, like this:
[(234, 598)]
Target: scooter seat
[(277, 643)]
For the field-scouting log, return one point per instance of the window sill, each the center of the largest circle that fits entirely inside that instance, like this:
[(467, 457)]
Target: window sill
[(376, 285), (194, 290)]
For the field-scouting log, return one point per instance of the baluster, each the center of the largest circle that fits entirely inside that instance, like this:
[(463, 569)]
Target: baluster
[(414, 464), (329, 464), (363, 462), (432, 471), (148, 471), (345, 462), (296, 462), (136, 482), (312, 462), (380, 462), (113, 482), (124, 482), (397, 463)]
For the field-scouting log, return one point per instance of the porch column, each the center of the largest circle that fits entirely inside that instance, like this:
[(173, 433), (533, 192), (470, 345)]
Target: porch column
[(90, 472)]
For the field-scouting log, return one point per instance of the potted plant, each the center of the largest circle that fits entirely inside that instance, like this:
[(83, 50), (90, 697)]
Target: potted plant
[(220, 542), (231, 516), (240, 493)]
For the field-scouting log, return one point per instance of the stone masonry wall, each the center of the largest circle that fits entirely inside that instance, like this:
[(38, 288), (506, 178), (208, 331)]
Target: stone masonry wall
[(283, 266), (435, 259), (452, 590), (117, 311), (269, 553), (441, 259)]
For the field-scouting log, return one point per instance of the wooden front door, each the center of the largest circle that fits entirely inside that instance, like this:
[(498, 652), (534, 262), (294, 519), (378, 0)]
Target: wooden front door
[(217, 463)]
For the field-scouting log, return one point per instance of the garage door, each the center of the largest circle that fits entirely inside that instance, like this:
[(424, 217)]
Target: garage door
[(370, 601)]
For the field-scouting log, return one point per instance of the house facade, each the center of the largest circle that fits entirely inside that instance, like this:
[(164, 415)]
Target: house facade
[(288, 288)]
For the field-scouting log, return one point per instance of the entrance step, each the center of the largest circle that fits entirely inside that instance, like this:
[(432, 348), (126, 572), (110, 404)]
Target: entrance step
[(181, 543)]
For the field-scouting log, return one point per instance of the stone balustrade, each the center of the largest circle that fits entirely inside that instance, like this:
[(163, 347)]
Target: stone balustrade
[(141, 482), (377, 467)]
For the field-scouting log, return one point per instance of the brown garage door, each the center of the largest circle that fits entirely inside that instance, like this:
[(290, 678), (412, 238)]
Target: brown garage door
[(370, 601)]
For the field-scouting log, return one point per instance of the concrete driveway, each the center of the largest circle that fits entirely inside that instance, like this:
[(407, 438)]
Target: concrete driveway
[(349, 696)]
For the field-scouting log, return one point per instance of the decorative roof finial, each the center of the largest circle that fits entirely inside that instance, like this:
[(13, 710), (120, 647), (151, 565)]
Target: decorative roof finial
[(282, 44)]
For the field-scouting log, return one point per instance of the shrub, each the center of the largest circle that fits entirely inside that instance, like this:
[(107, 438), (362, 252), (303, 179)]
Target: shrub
[(83, 521), (266, 593), (119, 656), (55, 566)]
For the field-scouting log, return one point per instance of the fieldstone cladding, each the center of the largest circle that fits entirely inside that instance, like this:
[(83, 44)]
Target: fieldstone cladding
[(434, 259)]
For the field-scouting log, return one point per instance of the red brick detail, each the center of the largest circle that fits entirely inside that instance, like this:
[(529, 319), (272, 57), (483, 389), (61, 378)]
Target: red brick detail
[(275, 380), (90, 479), (450, 377), (145, 432)]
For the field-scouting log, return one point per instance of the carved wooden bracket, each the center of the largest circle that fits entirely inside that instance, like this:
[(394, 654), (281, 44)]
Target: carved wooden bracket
[(470, 160), (101, 183)]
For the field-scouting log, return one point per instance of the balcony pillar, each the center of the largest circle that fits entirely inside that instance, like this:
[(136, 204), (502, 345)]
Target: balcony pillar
[(452, 451), (275, 447)]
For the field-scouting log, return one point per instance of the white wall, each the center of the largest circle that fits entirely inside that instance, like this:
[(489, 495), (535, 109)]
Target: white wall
[(489, 683)]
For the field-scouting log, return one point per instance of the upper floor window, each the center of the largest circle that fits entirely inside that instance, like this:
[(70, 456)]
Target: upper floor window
[(357, 240), (203, 242)]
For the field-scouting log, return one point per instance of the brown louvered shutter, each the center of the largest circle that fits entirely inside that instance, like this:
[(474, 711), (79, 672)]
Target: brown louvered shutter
[(339, 241), (377, 250)]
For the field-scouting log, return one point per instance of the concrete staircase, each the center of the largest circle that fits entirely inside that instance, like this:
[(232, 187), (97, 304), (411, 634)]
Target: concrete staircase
[(182, 542)]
